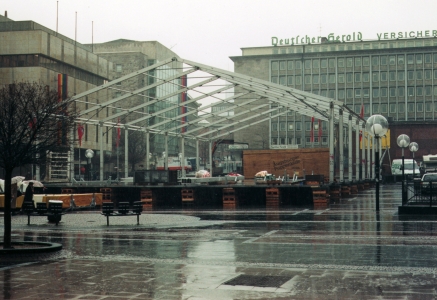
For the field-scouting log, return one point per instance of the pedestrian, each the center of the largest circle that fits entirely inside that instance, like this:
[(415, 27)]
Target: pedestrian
[(28, 194)]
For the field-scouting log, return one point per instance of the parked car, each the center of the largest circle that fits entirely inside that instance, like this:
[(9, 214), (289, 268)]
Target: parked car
[(429, 183)]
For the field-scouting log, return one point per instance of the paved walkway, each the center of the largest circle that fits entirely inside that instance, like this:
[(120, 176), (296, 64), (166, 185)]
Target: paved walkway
[(344, 251)]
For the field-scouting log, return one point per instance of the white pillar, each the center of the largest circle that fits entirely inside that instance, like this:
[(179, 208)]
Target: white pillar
[(357, 151), (197, 155), (341, 144), (166, 152), (331, 142), (363, 154), (369, 159), (147, 150), (126, 152), (101, 165), (183, 156), (350, 168), (210, 156)]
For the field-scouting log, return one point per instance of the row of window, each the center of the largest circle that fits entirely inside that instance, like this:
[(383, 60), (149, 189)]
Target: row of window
[(298, 141), (359, 61), (355, 77), (282, 126)]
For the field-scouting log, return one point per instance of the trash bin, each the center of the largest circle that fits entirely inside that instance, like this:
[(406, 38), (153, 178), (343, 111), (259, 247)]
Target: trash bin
[(55, 211)]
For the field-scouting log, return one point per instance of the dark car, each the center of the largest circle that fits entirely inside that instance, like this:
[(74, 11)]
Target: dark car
[(429, 183)]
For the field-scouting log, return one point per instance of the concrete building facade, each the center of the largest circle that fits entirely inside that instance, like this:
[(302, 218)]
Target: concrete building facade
[(396, 78)]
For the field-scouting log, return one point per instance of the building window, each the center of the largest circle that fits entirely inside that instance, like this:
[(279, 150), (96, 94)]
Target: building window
[(375, 60), (366, 61), (384, 108), (383, 60), (331, 63), (383, 92), (410, 75), (308, 125), (357, 93), (290, 141), (275, 126), (428, 58), (419, 59), (290, 65), (298, 141), (290, 80), (410, 107), (298, 80), (118, 68), (290, 126), (349, 62), (428, 90), (410, 91), (419, 107), (392, 92), (383, 76), (324, 63), (307, 79), (282, 80), (331, 78), (401, 60), (357, 77), (401, 107), (410, 59), (392, 75), (419, 91), (428, 106), (349, 93), (401, 75), (282, 126), (419, 75), (274, 141), (324, 140), (366, 93), (298, 125), (340, 62), (366, 77), (392, 108), (341, 78), (357, 61), (331, 94), (307, 64), (316, 64), (375, 92), (375, 76), (349, 77), (401, 91), (275, 79), (375, 108), (324, 79), (316, 79), (298, 64), (275, 66), (282, 65), (340, 94), (428, 75)]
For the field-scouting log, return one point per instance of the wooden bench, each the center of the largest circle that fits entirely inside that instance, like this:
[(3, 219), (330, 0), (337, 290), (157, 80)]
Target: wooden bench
[(123, 210), (53, 211)]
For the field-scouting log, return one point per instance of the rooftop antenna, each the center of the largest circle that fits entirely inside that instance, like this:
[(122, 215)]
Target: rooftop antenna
[(75, 30)]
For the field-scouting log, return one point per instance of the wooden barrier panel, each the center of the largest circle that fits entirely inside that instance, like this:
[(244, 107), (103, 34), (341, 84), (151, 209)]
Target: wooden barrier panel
[(187, 195), (146, 198), (106, 194)]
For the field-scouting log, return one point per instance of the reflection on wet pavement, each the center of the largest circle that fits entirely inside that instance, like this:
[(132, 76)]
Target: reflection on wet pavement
[(343, 251)]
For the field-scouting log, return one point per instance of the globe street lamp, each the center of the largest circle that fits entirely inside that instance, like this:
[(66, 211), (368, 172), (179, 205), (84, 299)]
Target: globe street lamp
[(377, 126), (89, 154), (413, 148), (403, 141)]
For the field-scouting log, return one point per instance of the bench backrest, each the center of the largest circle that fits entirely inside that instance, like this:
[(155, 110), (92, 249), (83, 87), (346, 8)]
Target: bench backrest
[(107, 208), (28, 207), (55, 208), (138, 207), (41, 208), (123, 207)]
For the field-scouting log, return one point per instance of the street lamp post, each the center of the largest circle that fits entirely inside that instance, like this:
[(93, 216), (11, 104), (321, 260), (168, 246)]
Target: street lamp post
[(377, 126), (89, 154), (403, 141), (413, 148)]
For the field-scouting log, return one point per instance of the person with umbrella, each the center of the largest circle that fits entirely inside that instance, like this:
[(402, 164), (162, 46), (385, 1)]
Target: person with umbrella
[(28, 195)]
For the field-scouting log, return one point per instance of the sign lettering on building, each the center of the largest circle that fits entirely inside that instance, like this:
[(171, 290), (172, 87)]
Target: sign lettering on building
[(352, 37)]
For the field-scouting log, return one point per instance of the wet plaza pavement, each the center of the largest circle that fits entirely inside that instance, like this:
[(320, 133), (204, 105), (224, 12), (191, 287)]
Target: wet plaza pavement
[(343, 251)]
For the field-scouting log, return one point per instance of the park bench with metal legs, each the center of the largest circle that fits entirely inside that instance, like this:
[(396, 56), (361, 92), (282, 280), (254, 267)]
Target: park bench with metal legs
[(123, 209), (53, 211)]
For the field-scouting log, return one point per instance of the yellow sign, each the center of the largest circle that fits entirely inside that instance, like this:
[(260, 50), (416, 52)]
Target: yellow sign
[(368, 139)]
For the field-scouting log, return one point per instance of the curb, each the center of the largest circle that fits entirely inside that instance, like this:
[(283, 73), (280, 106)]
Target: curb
[(39, 247)]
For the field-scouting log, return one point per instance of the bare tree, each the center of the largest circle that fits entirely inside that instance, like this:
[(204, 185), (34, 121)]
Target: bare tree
[(137, 150), (33, 121)]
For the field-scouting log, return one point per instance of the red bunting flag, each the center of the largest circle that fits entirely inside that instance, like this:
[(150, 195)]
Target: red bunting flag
[(80, 132)]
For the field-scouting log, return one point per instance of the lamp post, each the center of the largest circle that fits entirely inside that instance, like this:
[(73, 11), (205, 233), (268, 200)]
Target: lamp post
[(413, 148), (377, 126), (403, 141), (89, 154)]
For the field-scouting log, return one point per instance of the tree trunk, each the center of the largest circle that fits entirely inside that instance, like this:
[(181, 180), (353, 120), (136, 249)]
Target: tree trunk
[(7, 216)]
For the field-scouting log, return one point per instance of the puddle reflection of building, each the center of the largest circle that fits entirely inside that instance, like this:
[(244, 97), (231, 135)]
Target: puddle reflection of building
[(272, 216), (7, 288), (378, 239)]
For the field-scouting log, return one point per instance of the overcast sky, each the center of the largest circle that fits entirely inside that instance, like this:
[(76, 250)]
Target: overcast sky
[(209, 31)]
